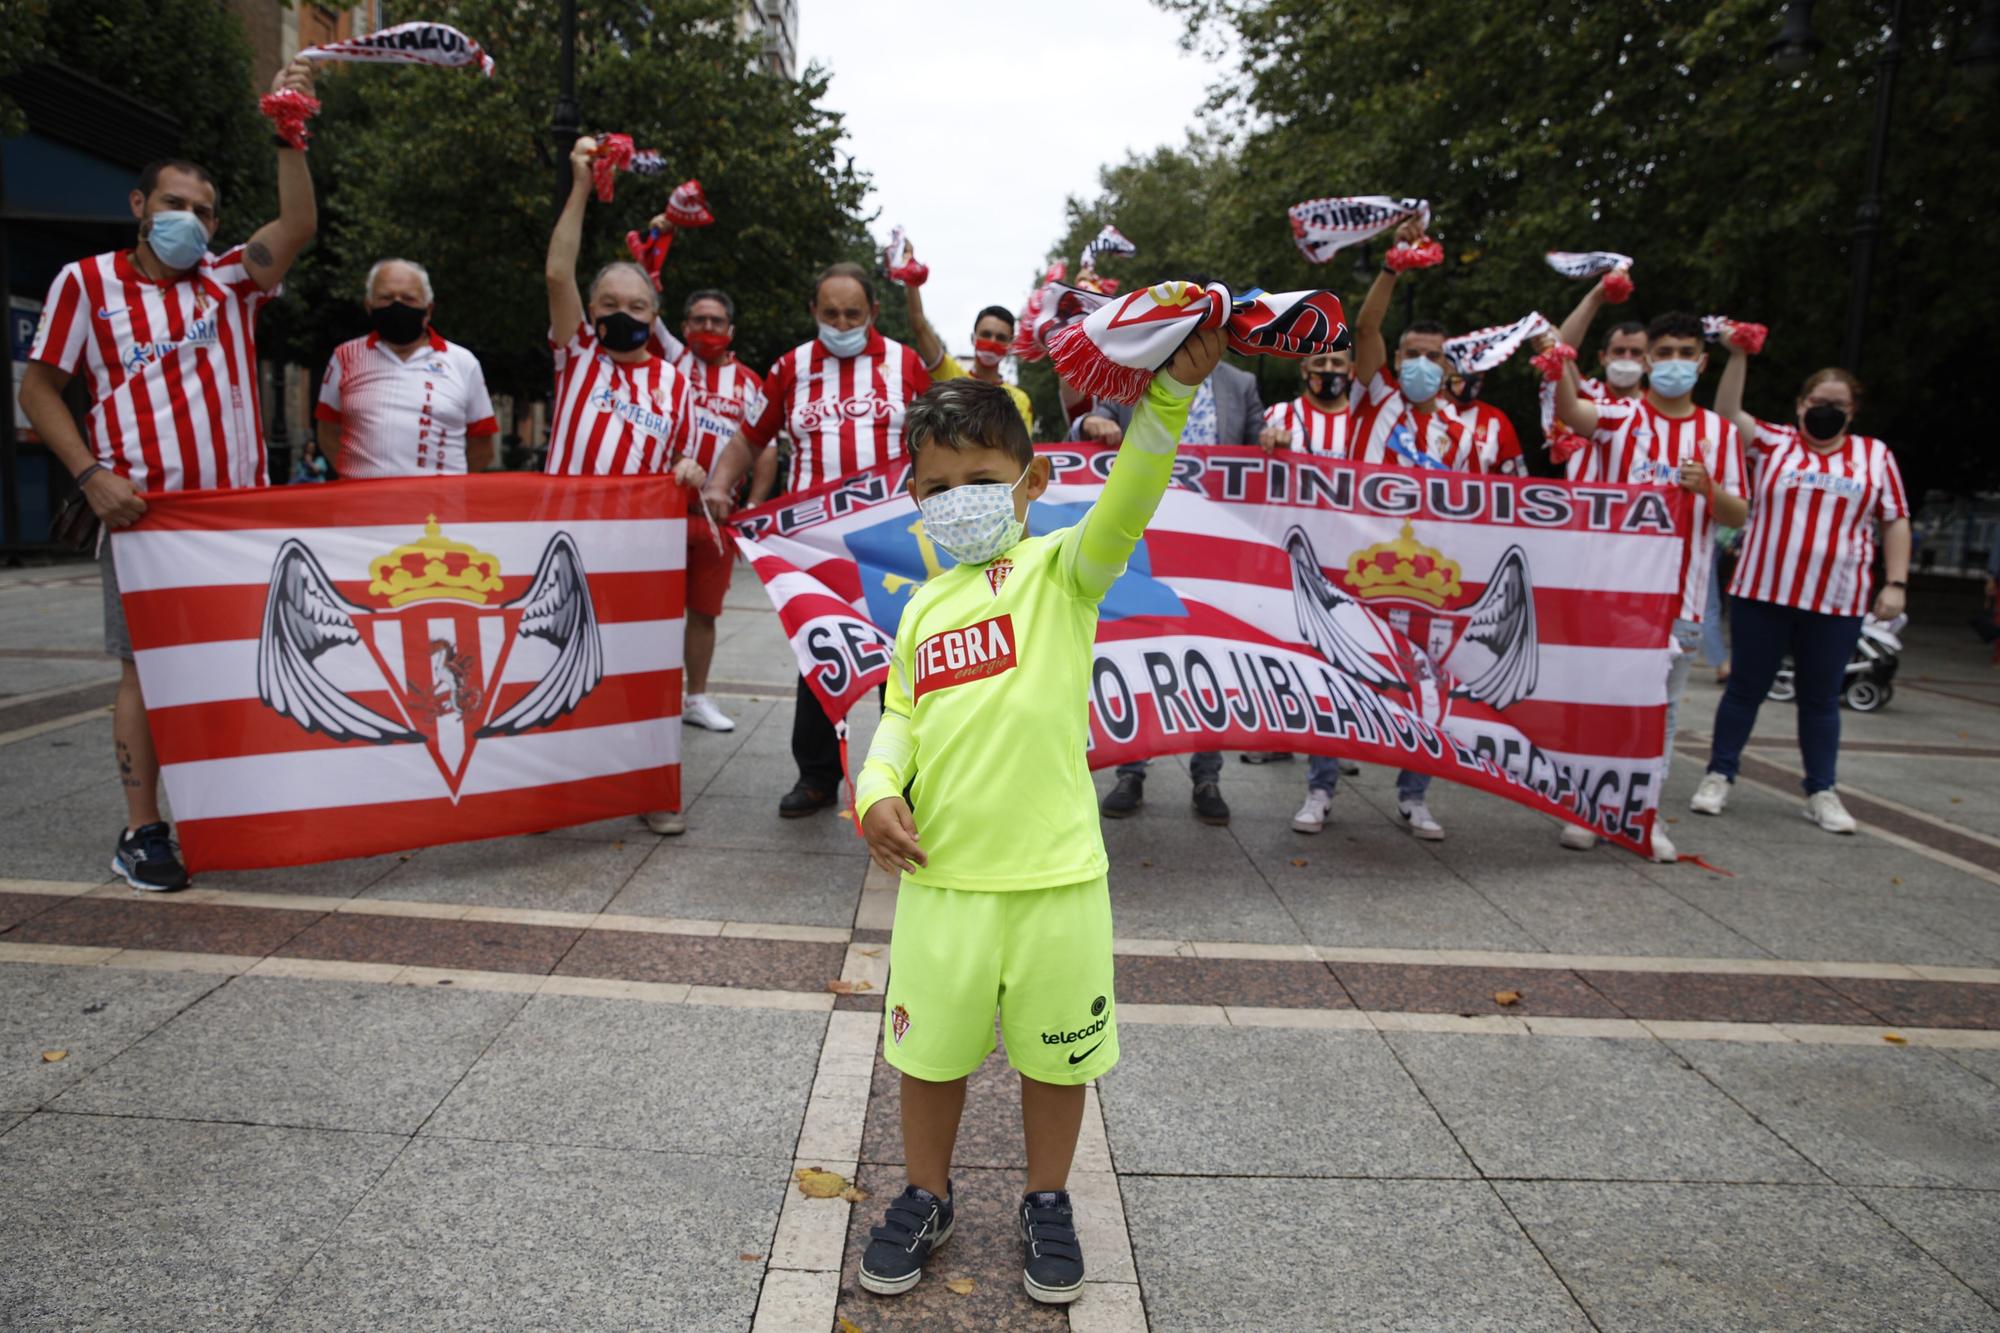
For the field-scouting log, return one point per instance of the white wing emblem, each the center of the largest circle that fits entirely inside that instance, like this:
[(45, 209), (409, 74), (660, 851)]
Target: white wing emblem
[(1322, 609), (557, 608), (1497, 658), (305, 616)]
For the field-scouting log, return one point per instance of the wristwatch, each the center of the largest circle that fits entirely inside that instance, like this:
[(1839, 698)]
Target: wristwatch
[(1897, 583)]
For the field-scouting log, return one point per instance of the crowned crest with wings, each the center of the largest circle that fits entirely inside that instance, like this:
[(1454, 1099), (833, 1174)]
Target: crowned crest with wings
[(1446, 644), (440, 663)]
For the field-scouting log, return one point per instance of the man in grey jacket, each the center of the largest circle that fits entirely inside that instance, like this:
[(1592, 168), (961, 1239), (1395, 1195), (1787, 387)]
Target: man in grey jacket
[(1226, 410)]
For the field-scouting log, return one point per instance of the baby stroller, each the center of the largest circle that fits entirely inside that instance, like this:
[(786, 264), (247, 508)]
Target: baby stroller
[(1870, 681)]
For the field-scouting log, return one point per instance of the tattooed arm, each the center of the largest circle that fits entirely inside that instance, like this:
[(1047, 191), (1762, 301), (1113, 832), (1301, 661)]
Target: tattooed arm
[(277, 243)]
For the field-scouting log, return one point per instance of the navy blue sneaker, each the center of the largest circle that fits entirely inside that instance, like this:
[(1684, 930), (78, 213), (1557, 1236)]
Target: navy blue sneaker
[(150, 859), (1054, 1274), (911, 1231)]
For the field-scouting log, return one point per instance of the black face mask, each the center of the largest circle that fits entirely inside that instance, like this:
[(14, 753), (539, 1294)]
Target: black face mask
[(396, 323), (1469, 388), (1825, 422), (619, 332), (1329, 385)]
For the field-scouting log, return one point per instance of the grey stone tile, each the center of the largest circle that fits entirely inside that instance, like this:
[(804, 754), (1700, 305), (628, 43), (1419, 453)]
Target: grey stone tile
[(1590, 1108), (1804, 917), (624, 828), (1347, 1254), (758, 777), (54, 764), (1439, 911), (1986, 1064), (91, 1012), (1153, 902), (722, 885), (318, 1054), (1645, 1257), (548, 874), (71, 838), (476, 1236), (1223, 1101), (9, 1119), (1867, 1115), (1611, 908), (1958, 1228), (159, 1224), (748, 824), (611, 1074), (327, 879)]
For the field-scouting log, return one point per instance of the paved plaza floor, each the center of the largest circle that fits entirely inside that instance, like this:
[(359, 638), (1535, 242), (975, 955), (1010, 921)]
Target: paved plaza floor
[(565, 1082)]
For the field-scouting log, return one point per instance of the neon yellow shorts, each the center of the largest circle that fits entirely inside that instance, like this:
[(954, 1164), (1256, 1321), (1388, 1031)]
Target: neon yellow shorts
[(1041, 957)]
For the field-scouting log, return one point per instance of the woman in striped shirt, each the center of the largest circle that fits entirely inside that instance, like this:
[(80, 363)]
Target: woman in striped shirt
[(1802, 581)]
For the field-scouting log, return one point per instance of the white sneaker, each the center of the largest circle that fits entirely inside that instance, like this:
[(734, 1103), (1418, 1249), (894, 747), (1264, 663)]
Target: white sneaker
[(667, 823), (1311, 817), (700, 711), (1663, 846), (1711, 796), (1824, 809), (1417, 817), (1577, 838)]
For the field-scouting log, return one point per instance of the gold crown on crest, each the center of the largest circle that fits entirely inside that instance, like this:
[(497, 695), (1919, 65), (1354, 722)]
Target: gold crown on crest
[(434, 566), (1404, 568)]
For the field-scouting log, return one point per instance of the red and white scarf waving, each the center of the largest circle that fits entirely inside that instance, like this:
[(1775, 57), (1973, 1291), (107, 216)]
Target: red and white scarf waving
[(899, 260), (1481, 350), (687, 206), (1324, 227), (1111, 347), (1587, 263), (1109, 241), (437, 44), (1735, 332)]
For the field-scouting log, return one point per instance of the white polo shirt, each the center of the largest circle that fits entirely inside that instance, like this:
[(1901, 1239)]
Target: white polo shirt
[(401, 418)]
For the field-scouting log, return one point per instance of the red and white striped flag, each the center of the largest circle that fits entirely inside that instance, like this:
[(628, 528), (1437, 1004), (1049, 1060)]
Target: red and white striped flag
[(370, 666), (1506, 633)]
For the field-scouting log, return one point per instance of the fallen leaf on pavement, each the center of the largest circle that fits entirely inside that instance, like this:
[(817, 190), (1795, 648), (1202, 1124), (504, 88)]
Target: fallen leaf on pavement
[(871, 953), (1144, 862), (1958, 800), (962, 1285), (848, 1325), (817, 1184), (749, 1258), (1298, 860), (51, 1057), (1895, 1039), (1895, 879), (846, 987), (1506, 997), (854, 1194)]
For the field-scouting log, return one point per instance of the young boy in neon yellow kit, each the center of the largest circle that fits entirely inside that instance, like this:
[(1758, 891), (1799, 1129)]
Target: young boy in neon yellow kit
[(1003, 901)]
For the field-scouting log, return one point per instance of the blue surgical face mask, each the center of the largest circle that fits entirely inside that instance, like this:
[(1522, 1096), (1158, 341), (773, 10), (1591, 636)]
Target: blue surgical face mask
[(973, 524), (177, 239), (843, 342), (1420, 379), (1673, 379)]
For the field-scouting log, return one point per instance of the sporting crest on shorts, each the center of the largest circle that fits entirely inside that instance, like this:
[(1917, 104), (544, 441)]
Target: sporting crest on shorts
[(899, 1023), (428, 663)]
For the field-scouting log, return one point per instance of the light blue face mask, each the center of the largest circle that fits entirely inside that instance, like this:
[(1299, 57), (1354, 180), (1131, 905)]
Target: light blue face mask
[(843, 342), (973, 524), (177, 239), (1673, 379), (1420, 379)]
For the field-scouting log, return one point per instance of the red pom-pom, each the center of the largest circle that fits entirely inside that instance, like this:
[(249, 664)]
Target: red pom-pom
[(1748, 337), (1426, 253), (288, 110), (1564, 442), (1550, 362), (614, 154), (1109, 286), (1617, 287)]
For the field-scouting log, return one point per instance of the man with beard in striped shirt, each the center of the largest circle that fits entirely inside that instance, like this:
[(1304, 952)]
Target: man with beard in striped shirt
[(164, 335)]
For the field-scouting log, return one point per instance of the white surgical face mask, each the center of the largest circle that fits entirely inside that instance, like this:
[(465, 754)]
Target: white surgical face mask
[(973, 524), (1624, 372), (843, 342)]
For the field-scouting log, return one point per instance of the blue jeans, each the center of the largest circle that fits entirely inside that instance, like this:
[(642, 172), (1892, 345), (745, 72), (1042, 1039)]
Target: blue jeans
[(1714, 650), (1820, 645), (1205, 766), (1323, 774)]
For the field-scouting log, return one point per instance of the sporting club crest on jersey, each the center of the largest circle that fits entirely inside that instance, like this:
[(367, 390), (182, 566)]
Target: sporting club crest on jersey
[(428, 664), (1447, 643), (997, 572)]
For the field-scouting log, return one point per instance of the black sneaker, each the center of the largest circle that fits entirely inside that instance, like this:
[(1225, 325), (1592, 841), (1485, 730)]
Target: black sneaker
[(150, 859), (1209, 807), (1348, 768), (803, 800), (1054, 1274), (911, 1231), (1125, 798)]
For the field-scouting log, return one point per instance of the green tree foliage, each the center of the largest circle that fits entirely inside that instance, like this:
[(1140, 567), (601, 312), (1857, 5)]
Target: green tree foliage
[(1653, 127), (449, 169)]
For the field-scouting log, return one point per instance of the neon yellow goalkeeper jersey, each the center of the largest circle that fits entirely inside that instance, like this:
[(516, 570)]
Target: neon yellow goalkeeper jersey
[(987, 714)]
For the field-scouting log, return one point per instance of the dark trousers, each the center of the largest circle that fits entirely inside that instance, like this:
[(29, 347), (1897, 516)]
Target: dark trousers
[(815, 744), (1761, 633)]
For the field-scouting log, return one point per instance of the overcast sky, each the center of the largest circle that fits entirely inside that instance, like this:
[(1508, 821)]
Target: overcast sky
[(976, 122)]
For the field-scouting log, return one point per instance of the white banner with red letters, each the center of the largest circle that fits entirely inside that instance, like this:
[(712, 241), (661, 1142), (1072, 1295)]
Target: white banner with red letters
[(370, 666), (1507, 633)]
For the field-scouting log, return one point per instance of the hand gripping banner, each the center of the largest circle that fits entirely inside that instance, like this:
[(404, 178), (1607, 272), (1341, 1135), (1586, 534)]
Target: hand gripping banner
[(1506, 633), (371, 666)]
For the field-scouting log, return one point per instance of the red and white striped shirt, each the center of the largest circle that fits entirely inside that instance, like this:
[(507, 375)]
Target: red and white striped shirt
[(843, 413), (726, 396), (1637, 444), (401, 417), (1810, 541), (612, 418), (1591, 391), (170, 367), (1495, 446), (1388, 430), (1314, 430)]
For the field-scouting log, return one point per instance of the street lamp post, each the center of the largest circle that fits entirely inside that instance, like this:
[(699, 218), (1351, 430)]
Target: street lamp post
[(567, 124), (1868, 217)]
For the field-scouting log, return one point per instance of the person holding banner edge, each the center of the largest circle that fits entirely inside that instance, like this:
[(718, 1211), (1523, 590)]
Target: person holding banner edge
[(182, 325)]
